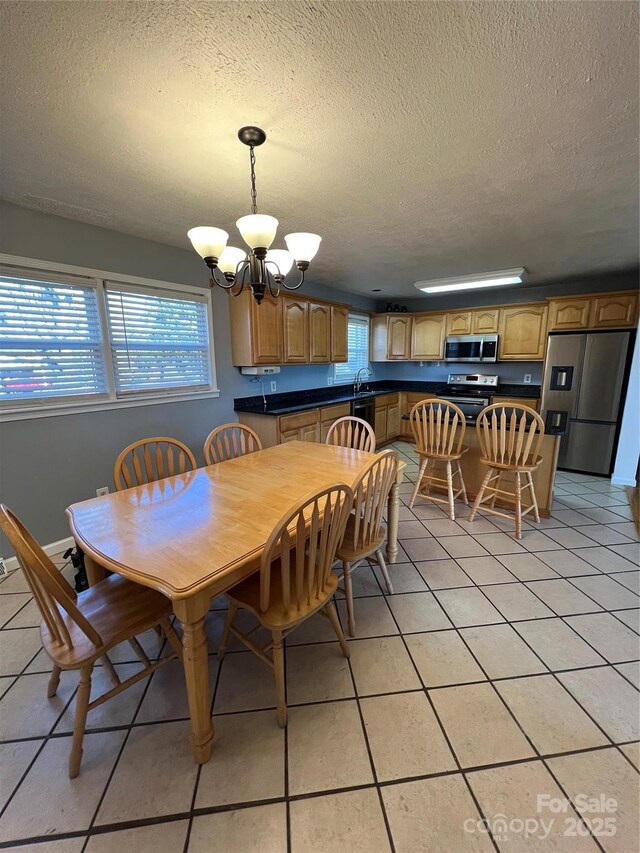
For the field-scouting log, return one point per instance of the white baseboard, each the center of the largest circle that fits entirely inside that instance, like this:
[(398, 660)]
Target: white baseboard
[(11, 563)]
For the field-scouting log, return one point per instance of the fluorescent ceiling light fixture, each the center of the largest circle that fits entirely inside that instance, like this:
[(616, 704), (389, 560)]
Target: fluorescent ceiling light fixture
[(498, 278)]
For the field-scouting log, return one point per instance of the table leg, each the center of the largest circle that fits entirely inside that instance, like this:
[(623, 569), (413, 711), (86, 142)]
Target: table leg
[(392, 524), (196, 671), (95, 572)]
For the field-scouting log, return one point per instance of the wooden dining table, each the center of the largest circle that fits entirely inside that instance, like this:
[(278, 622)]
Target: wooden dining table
[(195, 535)]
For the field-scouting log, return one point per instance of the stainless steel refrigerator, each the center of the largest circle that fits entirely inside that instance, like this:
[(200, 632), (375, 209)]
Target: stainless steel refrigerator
[(582, 392)]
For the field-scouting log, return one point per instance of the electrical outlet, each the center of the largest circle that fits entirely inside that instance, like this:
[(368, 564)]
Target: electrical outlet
[(3, 568), (274, 385), (329, 380), (103, 490), (527, 379)]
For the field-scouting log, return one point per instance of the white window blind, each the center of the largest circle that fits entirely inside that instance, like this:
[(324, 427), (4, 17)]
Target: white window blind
[(158, 341), (357, 348), (50, 340)]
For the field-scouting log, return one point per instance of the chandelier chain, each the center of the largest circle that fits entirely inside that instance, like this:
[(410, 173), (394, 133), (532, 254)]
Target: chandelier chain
[(254, 194)]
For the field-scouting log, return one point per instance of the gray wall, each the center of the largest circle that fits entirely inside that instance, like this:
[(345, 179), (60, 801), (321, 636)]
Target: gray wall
[(48, 463), (509, 372)]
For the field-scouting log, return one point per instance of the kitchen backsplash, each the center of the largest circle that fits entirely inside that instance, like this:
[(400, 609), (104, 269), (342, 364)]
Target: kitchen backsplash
[(510, 372)]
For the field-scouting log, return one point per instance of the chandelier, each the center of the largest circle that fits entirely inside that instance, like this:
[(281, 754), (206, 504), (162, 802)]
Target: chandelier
[(262, 268)]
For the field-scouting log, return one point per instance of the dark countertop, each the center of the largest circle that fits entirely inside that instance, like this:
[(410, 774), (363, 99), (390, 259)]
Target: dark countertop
[(291, 402)]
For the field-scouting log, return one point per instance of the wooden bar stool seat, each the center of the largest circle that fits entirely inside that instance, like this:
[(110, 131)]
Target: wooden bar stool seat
[(438, 427), (510, 439)]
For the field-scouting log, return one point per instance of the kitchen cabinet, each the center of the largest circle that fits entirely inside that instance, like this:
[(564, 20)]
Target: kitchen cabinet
[(531, 402), (266, 324), (319, 332), (304, 426), (295, 330), (387, 418), (568, 314), (408, 399), (523, 332), (329, 415), (339, 333), (427, 338), (399, 336), (380, 425), (459, 323), (613, 311), (485, 321)]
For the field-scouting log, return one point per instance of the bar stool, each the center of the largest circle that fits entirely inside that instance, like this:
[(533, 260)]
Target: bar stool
[(510, 438), (438, 427)]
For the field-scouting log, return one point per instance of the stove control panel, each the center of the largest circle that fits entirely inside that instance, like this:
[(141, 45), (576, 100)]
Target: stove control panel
[(473, 380)]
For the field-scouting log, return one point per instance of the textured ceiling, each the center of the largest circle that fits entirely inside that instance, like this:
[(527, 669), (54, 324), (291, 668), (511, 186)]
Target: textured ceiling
[(419, 139)]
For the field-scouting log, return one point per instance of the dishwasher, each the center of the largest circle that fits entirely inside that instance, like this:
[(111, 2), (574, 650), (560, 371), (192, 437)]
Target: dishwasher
[(365, 409)]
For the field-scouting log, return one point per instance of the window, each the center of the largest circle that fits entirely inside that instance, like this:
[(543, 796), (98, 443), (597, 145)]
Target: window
[(76, 342), (157, 341), (357, 348)]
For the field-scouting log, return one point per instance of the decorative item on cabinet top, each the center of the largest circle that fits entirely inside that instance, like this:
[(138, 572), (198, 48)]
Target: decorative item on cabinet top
[(294, 329)]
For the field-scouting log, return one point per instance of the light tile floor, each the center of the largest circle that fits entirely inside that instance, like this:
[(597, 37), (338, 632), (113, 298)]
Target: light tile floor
[(496, 672)]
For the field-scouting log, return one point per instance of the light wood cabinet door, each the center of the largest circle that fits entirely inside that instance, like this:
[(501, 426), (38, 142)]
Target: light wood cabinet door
[(295, 330), (319, 333), (523, 333), (266, 331), (398, 336), (339, 329), (614, 311), (459, 323), (531, 402), (485, 321), (378, 338), (428, 337), (380, 424), (310, 433), (567, 314), (393, 420)]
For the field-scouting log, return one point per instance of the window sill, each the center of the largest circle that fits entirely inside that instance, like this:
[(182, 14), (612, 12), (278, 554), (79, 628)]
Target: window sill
[(51, 410)]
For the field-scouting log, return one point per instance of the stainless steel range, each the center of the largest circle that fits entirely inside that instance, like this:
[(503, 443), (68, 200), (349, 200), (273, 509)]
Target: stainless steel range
[(471, 392)]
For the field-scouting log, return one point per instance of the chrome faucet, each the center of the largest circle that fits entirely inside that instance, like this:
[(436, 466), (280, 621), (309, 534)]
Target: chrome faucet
[(358, 381)]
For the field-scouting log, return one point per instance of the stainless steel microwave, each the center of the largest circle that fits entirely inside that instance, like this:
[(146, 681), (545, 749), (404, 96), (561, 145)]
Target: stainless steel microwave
[(471, 348)]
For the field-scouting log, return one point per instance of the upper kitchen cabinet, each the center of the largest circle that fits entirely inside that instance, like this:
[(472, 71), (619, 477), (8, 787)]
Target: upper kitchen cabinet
[(287, 330), (459, 323), (523, 333), (569, 313), (398, 336), (613, 311), (319, 332), (485, 321), (339, 331), (427, 337), (295, 330)]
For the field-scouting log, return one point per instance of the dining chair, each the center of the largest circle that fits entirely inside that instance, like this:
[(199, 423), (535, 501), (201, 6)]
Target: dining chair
[(295, 579), (510, 437), (229, 441), (352, 432), (365, 531), (151, 459), (78, 630), (438, 427)]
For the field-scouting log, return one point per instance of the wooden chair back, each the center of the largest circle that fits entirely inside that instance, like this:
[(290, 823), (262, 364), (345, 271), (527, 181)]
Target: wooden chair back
[(151, 459), (306, 540), (510, 434), (50, 590), (228, 441), (371, 494), (352, 432), (438, 427)]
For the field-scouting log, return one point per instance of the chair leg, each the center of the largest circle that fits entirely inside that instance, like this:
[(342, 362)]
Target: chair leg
[(231, 614), (534, 500), (348, 592), (278, 668), (518, 506), (172, 636), (114, 678), (462, 485), (54, 681), (496, 486), (332, 613), (480, 495), (452, 506), (423, 465), (80, 722), (383, 569)]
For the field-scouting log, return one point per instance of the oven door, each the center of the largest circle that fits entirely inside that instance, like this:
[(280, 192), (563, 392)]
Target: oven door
[(463, 348), (470, 406)]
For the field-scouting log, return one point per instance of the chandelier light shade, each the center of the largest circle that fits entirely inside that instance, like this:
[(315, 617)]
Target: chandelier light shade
[(262, 268)]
